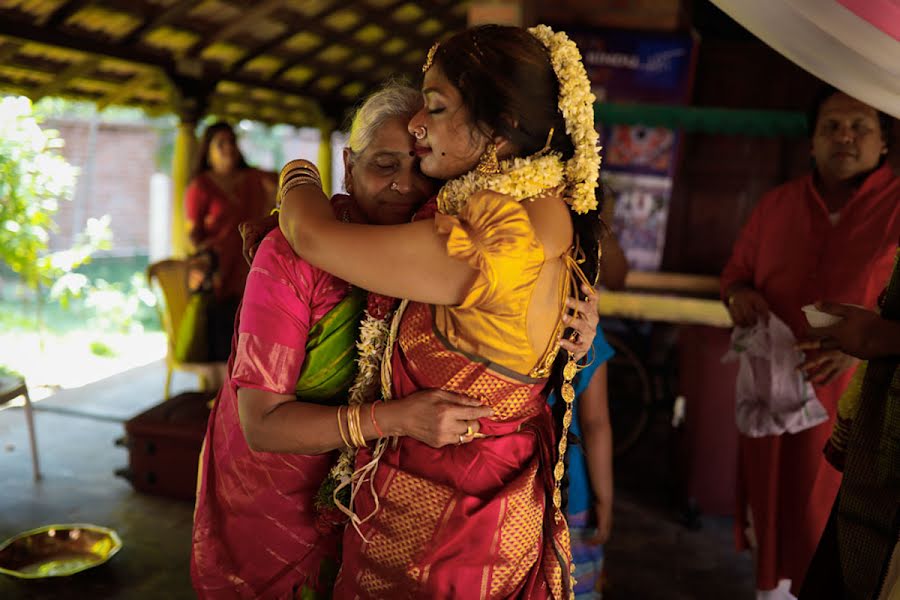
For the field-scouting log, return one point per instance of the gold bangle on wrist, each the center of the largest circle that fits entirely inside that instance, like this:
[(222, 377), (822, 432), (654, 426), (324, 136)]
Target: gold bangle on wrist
[(353, 425), (295, 173), (341, 427), (295, 182), (297, 165)]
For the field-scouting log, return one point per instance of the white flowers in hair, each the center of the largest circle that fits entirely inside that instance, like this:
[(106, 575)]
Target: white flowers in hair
[(532, 176), (576, 101)]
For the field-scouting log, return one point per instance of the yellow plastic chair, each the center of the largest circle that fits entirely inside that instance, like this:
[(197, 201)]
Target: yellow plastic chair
[(169, 278)]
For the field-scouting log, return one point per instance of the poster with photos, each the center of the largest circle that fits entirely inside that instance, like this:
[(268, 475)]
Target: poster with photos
[(639, 162), (641, 214)]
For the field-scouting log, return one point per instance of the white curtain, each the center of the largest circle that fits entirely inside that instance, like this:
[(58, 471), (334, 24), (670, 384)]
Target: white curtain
[(852, 44)]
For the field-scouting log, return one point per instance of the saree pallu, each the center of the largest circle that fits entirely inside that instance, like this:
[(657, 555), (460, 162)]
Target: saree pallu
[(467, 521), (257, 532)]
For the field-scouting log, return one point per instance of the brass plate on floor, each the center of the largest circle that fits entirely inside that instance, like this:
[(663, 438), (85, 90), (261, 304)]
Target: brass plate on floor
[(57, 550)]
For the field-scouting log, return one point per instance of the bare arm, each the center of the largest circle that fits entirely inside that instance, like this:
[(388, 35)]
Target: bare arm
[(278, 423), (403, 261), (595, 427)]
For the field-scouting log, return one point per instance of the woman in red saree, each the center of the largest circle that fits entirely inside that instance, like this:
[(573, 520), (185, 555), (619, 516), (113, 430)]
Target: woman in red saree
[(480, 517), (223, 192)]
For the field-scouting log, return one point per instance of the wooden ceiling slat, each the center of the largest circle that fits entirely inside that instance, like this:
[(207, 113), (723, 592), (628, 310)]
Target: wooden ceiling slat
[(8, 51), (125, 91), (74, 71), (432, 10), (245, 21), (195, 68), (89, 45), (396, 62), (66, 10), (130, 53), (166, 17), (290, 31), (345, 38)]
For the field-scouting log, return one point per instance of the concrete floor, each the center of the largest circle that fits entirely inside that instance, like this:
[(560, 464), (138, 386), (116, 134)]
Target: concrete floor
[(650, 556)]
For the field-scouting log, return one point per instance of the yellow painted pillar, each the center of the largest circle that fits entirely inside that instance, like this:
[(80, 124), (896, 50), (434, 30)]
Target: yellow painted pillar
[(324, 159), (185, 141)]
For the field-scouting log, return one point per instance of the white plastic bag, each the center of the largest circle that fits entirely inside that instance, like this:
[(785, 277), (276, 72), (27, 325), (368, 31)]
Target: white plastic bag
[(771, 395)]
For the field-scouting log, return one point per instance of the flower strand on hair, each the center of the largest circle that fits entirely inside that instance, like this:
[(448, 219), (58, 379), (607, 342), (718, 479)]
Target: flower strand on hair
[(576, 102)]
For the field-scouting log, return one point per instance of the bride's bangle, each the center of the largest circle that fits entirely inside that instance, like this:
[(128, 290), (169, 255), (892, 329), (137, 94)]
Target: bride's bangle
[(296, 173)]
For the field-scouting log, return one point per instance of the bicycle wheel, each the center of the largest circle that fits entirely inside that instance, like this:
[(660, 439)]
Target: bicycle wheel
[(630, 395)]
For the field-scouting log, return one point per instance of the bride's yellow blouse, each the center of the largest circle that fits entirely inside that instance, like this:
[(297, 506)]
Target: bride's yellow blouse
[(494, 234)]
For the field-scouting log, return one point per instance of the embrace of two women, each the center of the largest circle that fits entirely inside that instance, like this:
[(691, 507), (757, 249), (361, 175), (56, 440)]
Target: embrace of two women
[(366, 447)]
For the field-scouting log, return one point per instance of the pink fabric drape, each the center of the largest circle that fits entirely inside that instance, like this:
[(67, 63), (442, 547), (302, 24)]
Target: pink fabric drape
[(256, 531)]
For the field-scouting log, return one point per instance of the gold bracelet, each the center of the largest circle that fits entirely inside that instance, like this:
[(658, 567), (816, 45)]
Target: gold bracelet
[(295, 165), (341, 428), (356, 435), (299, 172), (349, 416), (296, 183), (360, 437), (299, 180)]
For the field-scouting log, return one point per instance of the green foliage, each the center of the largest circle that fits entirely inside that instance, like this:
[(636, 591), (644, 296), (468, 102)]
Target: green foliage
[(7, 372), (34, 178), (99, 348), (119, 307)]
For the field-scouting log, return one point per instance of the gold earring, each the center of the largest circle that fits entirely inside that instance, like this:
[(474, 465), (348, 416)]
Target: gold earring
[(488, 164)]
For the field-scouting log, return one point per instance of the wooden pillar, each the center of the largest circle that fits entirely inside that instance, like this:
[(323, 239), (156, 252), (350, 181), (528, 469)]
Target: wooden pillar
[(190, 97), (325, 158), (185, 143)]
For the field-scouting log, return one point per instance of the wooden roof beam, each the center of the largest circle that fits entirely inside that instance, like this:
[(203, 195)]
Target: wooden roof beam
[(26, 32), (127, 90), (87, 45), (346, 38), (71, 72), (408, 31), (166, 17), (10, 49), (246, 20), (61, 14), (292, 29)]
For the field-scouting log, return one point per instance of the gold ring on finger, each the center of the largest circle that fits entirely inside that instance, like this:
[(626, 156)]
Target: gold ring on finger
[(469, 431)]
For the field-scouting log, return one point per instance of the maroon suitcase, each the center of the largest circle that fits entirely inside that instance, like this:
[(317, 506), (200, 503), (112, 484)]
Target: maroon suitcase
[(164, 446)]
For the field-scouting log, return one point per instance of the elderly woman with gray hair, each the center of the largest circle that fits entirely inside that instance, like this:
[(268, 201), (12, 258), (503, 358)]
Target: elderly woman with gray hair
[(276, 425), (272, 433)]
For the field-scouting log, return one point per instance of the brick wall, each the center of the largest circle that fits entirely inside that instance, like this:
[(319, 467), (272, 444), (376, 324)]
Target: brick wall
[(114, 180)]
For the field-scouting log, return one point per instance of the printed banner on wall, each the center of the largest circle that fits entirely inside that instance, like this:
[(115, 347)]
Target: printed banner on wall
[(639, 162), (642, 210)]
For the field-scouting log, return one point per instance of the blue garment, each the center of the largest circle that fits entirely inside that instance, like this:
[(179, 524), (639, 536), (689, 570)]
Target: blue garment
[(588, 558)]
